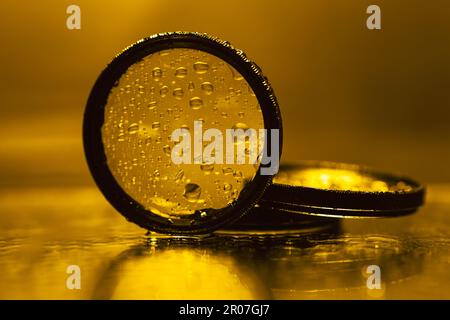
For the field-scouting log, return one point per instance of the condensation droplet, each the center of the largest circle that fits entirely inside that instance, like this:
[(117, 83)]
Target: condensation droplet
[(167, 149), (133, 128), (157, 73), (121, 137), (240, 125), (152, 105), (237, 174), (179, 176), (236, 75), (207, 87), (207, 168), (178, 93), (191, 86), (195, 103), (234, 194), (181, 72), (164, 91), (192, 192), (201, 67), (227, 187), (156, 125), (227, 170)]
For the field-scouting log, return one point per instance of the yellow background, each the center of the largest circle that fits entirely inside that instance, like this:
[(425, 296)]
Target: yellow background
[(347, 93)]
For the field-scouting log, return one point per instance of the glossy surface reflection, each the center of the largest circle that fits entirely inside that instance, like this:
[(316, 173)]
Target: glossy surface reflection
[(118, 261)]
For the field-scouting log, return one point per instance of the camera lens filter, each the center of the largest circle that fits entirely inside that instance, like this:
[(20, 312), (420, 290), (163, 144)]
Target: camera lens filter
[(158, 133), (342, 190)]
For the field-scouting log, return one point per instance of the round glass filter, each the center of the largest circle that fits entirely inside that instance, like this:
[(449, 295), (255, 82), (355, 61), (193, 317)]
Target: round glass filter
[(156, 133), (342, 190)]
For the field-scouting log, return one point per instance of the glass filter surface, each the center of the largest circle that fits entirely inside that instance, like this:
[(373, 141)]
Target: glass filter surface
[(342, 190), (146, 130)]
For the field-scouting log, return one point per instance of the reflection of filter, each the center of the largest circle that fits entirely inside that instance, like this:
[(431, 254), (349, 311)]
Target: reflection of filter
[(342, 190), (338, 267), (183, 83)]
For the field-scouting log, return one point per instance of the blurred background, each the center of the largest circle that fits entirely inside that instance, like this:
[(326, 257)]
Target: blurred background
[(377, 97)]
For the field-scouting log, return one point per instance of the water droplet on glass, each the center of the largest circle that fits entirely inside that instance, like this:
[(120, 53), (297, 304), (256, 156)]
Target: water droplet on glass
[(227, 187), (157, 74), (207, 87), (236, 75), (237, 174), (201, 67), (167, 149), (163, 91), (178, 93), (133, 128), (179, 176), (156, 125), (207, 168), (227, 170), (181, 72), (121, 137), (191, 86), (195, 103), (192, 192), (240, 125), (152, 105)]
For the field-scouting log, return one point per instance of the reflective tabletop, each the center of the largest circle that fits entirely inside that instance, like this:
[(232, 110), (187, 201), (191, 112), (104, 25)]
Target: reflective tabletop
[(43, 231)]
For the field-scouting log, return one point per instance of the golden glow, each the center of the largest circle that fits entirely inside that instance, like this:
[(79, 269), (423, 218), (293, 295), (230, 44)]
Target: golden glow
[(181, 274), (166, 91), (35, 252), (337, 179)]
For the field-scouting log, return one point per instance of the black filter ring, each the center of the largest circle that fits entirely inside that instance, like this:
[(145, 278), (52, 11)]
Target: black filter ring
[(343, 203), (264, 217), (94, 119), (337, 213)]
